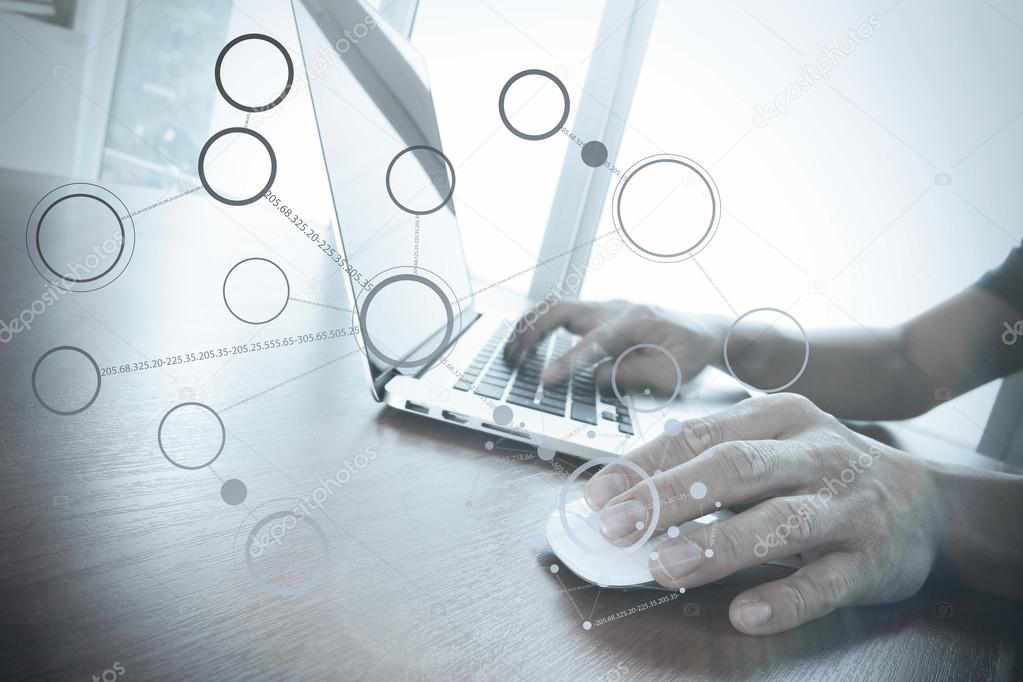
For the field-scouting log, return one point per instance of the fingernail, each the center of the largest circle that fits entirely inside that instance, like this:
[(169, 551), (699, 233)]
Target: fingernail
[(754, 613), (622, 519), (603, 487), (680, 557)]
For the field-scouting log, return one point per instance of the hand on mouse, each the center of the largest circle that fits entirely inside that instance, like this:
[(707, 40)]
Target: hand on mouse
[(863, 516), (608, 329)]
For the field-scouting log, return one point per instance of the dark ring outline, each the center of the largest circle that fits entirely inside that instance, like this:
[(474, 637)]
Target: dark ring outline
[(39, 246), (444, 201), (691, 165), (504, 93), (220, 62), (99, 380), (449, 328), (255, 197), (286, 283), (28, 246), (223, 435)]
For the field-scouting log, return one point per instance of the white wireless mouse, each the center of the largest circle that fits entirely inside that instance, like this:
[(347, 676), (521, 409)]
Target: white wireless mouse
[(576, 540)]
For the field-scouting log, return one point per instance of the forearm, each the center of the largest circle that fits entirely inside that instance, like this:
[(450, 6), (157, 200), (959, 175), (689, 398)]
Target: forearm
[(851, 374), (982, 529)]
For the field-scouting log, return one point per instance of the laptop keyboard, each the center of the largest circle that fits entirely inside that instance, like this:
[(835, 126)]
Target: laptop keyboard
[(491, 377)]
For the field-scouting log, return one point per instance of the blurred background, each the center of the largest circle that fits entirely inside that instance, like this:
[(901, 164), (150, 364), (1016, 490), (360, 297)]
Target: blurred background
[(862, 179)]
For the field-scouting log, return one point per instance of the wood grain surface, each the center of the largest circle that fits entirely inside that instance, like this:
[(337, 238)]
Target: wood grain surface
[(434, 564)]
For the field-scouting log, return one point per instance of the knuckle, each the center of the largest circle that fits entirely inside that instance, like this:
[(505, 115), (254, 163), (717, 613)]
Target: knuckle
[(798, 596), (747, 462), (801, 522), (729, 542), (832, 587), (699, 434)]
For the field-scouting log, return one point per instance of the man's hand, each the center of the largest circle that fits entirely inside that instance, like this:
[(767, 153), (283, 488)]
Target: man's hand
[(609, 329), (862, 515)]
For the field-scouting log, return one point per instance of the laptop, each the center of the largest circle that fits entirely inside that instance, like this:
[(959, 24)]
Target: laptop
[(431, 347)]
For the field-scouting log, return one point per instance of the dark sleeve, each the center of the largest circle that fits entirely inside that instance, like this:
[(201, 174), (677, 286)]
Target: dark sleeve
[(1006, 281)]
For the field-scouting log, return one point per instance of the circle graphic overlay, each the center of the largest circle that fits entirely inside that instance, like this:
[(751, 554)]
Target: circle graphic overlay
[(220, 64), (806, 350), (598, 461), (202, 166), (194, 408), (406, 282), (625, 398), (35, 380), (261, 279), (594, 154), (627, 231), (279, 521), (504, 95), (80, 237), (233, 491), (433, 176)]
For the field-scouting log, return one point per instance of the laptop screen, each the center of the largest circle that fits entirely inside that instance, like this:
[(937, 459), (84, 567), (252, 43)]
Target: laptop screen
[(391, 185)]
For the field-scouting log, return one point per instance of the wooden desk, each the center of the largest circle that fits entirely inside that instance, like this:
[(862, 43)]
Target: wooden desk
[(437, 567)]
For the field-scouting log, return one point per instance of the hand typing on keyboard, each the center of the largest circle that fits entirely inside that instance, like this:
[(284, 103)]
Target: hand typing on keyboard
[(609, 329)]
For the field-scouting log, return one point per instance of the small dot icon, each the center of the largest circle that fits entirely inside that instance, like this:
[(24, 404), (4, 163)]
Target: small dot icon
[(673, 427), (673, 532), (654, 556), (489, 445), (594, 154), (502, 415), (640, 525), (717, 504), (233, 491), (708, 553), (555, 568), (681, 590), (698, 490), (587, 625), (591, 434)]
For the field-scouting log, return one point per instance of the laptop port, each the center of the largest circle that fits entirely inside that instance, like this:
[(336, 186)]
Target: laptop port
[(454, 417), (416, 407), (510, 432)]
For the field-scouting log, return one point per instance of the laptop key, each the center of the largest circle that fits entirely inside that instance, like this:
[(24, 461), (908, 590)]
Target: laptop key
[(582, 412), (609, 415), (490, 391), (463, 385), (625, 428)]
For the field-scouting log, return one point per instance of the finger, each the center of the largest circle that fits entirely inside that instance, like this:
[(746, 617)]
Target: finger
[(779, 527), (730, 473), (813, 591), (587, 351), (762, 418), (536, 324)]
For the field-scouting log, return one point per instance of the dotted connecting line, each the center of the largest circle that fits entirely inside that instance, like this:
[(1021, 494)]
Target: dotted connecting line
[(322, 305), (295, 378), (530, 269), (161, 203)]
